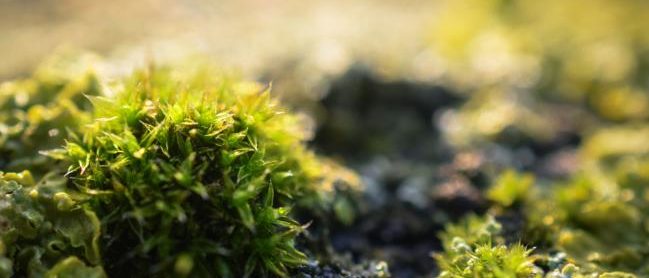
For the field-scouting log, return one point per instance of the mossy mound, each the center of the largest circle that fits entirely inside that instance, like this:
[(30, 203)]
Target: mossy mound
[(179, 173)]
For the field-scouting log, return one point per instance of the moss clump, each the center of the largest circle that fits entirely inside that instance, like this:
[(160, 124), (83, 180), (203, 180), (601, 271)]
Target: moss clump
[(36, 114), (45, 232), (491, 261), (602, 226), (178, 174), (474, 248), (195, 175), (597, 218)]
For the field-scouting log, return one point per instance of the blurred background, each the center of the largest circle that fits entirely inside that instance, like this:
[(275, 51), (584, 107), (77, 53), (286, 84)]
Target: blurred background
[(428, 100), (262, 38)]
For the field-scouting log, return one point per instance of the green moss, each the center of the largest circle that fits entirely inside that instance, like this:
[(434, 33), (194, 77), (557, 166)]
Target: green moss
[(599, 217), (43, 227), (37, 113), (511, 188), (195, 175), (472, 230), (600, 225), (474, 248), (492, 261)]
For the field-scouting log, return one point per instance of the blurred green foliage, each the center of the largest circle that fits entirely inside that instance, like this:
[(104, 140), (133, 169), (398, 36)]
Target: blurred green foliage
[(569, 50), (539, 69), (36, 113), (511, 188), (535, 71), (598, 218), (44, 231), (599, 223)]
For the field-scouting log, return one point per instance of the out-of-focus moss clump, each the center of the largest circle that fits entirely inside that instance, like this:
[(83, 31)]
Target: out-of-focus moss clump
[(36, 113), (597, 219), (44, 231), (553, 80), (600, 217)]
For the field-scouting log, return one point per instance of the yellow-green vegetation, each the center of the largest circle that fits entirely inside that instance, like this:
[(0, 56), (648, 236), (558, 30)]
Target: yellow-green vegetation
[(44, 231), (37, 113), (510, 56), (474, 248), (179, 173), (599, 217), (524, 63), (511, 188), (486, 260), (597, 220), (194, 175), (570, 50)]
